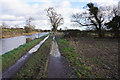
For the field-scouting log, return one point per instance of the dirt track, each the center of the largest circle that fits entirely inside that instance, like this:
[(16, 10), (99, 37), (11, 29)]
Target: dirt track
[(57, 64)]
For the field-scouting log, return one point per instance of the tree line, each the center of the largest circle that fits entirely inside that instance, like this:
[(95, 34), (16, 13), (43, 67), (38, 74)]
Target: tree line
[(94, 17), (99, 18)]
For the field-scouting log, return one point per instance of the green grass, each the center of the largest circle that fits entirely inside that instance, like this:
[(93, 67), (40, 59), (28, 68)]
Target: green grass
[(11, 57), (36, 66), (80, 70)]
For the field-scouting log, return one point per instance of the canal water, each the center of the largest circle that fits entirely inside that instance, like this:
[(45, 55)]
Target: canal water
[(9, 44)]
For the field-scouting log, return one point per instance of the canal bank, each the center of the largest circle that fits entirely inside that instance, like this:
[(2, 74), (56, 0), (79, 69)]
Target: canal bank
[(15, 32), (10, 71), (12, 56), (36, 66)]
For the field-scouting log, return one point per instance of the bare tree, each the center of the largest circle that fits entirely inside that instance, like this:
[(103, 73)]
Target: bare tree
[(114, 23), (16, 26), (4, 25), (29, 20), (119, 8), (28, 28), (54, 18), (93, 17)]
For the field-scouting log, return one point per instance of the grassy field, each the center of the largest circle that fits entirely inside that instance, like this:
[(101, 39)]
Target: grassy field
[(36, 67), (91, 57), (11, 57), (100, 54), (6, 33), (80, 70)]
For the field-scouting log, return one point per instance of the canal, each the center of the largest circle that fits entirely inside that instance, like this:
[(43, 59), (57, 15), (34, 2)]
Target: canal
[(9, 44)]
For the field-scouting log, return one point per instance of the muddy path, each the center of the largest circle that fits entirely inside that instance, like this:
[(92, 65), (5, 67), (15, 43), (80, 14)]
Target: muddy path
[(57, 67), (8, 73)]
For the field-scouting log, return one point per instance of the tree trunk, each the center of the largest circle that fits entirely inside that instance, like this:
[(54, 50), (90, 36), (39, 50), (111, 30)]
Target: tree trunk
[(100, 31), (55, 28)]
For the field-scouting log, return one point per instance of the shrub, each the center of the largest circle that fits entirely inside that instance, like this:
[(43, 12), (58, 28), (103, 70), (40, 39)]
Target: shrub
[(28, 40), (27, 29)]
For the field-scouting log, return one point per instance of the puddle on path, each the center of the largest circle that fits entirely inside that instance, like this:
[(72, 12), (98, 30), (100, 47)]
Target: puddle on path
[(56, 66), (15, 67)]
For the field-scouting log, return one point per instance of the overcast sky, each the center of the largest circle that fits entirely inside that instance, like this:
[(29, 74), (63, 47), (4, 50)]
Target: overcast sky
[(15, 12)]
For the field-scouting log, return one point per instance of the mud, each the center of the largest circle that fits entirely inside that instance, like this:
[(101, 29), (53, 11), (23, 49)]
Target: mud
[(57, 67)]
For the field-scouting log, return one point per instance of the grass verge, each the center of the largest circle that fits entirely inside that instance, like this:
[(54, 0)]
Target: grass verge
[(11, 57), (91, 57), (80, 70), (36, 66)]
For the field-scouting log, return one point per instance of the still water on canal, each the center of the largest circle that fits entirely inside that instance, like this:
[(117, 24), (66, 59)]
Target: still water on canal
[(9, 44)]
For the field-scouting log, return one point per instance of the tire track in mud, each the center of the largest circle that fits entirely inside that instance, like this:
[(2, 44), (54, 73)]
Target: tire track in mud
[(57, 64)]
